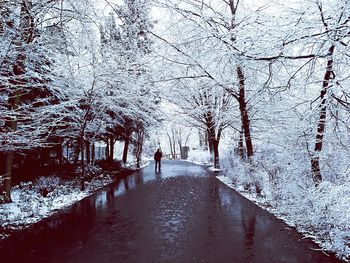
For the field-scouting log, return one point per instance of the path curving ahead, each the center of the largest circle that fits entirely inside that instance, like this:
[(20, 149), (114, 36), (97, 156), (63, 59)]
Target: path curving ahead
[(182, 214)]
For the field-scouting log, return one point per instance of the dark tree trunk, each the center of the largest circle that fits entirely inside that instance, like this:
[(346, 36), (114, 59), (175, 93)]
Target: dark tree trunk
[(67, 151), (179, 143), (111, 147), (216, 153), (6, 166), (77, 151), (241, 145), (126, 148), (173, 141), (6, 159), (93, 153), (174, 147), (139, 147), (59, 148), (87, 150), (107, 149), (171, 146), (244, 113), (321, 124), (210, 143), (82, 176)]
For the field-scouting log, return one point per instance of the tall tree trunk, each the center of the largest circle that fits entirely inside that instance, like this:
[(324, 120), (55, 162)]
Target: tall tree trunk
[(321, 124), (173, 141), (67, 152), (171, 146), (216, 153), (6, 159), (60, 152), (93, 153), (174, 146), (180, 147), (210, 143), (88, 155), (82, 176), (111, 147), (126, 148), (77, 151), (202, 138), (244, 113), (240, 144), (107, 149), (139, 147)]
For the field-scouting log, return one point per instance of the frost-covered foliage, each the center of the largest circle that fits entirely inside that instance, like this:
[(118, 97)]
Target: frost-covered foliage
[(72, 74), (288, 191), (199, 156)]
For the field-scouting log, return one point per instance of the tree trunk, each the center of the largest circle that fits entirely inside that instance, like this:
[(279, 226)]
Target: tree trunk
[(139, 148), (126, 148), (321, 124), (216, 153), (240, 144), (244, 113), (107, 149), (171, 146), (111, 147), (67, 152), (60, 152), (181, 150), (6, 158), (173, 143), (210, 143), (202, 138), (82, 176), (77, 152), (88, 155), (93, 153)]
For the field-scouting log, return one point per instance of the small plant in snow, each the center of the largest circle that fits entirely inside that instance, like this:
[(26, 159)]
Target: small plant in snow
[(93, 170), (45, 185)]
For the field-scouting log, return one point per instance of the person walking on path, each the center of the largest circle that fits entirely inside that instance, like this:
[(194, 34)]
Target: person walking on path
[(157, 158)]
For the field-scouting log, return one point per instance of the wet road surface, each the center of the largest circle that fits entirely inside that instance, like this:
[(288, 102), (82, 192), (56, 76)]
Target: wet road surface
[(181, 215)]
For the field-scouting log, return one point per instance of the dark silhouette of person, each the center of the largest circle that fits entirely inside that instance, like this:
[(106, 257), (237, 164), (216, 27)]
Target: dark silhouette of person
[(157, 158)]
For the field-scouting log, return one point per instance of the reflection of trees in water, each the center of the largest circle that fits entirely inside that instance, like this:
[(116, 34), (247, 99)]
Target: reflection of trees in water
[(214, 205), (126, 183), (138, 178), (248, 216), (110, 194)]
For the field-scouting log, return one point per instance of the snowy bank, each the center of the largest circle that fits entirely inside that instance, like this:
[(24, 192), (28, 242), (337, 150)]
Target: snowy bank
[(30, 206), (321, 213)]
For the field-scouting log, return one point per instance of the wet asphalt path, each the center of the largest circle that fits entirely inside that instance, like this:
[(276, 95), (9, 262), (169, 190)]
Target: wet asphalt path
[(182, 214)]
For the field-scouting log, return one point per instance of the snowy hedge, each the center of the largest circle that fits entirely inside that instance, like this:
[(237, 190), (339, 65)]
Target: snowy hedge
[(321, 212)]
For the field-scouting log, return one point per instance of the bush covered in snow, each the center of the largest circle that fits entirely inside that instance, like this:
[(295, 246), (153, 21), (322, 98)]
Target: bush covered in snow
[(199, 156), (286, 184), (33, 201)]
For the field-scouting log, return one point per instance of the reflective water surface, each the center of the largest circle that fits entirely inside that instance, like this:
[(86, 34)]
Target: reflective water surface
[(182, 214)]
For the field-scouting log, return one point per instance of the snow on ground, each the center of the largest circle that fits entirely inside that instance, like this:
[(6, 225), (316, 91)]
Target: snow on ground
[(199, 156), (133, 165), (213, 169), (29, 206), (321, 213)]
